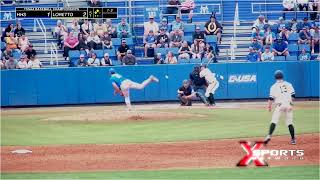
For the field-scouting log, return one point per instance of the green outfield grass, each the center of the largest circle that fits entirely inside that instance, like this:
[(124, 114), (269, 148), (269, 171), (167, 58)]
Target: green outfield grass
[(293, 172), (220, 123)]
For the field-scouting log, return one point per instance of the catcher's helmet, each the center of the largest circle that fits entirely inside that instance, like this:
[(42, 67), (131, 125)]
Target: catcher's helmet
[(278, 74)]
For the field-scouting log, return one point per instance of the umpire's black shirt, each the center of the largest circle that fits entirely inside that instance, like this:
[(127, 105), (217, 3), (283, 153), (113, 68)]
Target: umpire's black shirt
[(196, 79)]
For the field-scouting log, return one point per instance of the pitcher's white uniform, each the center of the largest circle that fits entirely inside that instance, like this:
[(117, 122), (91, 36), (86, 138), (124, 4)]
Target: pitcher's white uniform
[(282, 92), (211, 79)]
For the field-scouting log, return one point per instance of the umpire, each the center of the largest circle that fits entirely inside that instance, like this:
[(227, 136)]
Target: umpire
[(199, 85)]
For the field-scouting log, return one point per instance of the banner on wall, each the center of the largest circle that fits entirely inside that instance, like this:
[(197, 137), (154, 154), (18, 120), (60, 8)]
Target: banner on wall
[(152, 11), (7, 15), (242, 78)]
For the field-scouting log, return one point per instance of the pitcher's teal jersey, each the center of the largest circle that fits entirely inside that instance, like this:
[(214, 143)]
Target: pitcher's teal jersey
[(117, 78)]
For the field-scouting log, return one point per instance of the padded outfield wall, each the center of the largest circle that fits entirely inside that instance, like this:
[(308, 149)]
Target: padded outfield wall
[(91, 84)]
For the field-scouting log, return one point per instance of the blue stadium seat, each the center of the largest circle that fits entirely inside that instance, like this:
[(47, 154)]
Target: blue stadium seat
[(291, 58), (279, 58), (111, 52), (116, 41), (304, 46), (195, 61), (211, 38), (99, 53), (204, 60), (3, 45), (189, 39), (293, 49), (74, 54), (293, 38), (189, 29), (174, 50), (116, 63), (163, 51), (314, 56), (183, 61), (274, 28)]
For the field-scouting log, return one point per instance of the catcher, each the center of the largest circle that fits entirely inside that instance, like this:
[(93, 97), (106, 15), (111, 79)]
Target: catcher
[(185, 94)]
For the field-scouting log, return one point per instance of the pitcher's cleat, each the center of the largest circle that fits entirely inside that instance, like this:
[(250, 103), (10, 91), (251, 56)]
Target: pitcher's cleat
[(293, 141), (153, 78), (267, 139)]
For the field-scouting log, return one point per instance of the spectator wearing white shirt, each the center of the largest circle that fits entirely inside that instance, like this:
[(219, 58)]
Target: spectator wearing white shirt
[(23, 63), (267, 55), (106, 61), (34, 63), (259, 23), (288, 5), (93, 61), (11, 63), (151, 25), (86, 27), (315, 38), (93, 41)]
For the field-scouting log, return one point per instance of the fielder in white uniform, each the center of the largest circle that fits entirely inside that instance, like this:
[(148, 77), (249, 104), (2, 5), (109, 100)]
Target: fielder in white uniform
[(212, 81), (281, 93)]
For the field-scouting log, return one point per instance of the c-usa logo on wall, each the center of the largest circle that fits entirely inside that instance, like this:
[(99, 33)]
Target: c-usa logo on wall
[(242, 78)]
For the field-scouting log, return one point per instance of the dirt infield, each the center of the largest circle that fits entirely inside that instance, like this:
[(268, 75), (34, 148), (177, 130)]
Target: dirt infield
[(177, 155)]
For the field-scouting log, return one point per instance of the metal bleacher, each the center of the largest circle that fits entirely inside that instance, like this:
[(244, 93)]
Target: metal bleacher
[(224, 9)]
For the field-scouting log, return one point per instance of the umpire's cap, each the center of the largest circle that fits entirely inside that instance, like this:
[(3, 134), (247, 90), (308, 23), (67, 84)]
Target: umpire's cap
[(112, 71), (278, 74)]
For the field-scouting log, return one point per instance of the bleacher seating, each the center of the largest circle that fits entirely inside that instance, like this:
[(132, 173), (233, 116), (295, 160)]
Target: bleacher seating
[(304, 46), (183, 61), (279, 58), (195, 61), (293, 49), (291, 58)]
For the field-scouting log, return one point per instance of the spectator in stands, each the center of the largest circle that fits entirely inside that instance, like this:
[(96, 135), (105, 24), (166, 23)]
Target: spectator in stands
[(266, 25), (2, 64), (8, 30), (281, 24), (288, 5), (13, 2), (280, 48), (151, 25), (149, 41), (111, 29), (122, 49), (197, 49), (93, 61), (95, 3), (23, 43), (267, 55), (11, 63), (304, 56), (213, 27), (256, 46), (129, 58), (284, 34), (176, 39), (173, 6), (6, 54), (106, 41), (316, 22), (75, 27), (100, 28), (177, 25), (269, 36), (304, 36), (162, 39), (315, 39), (208, 51), (106, 61), (83, 43), (259, 23), (19, 31), (314, 5), (184, 51), (30, 51), (94, 41), (123, 29), (164, 25), (86, 28), (293, 25), (23, 63), (158, 59), (170, 59), (303, 5), (187, 6), (257, 34), (198, 35), (60, 32), (253, 56), (82, 62), (12, 42), (71, 43), (34, 63), (304, 24)]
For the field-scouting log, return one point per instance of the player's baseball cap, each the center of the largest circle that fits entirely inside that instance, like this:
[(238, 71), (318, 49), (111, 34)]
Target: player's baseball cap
[(112, 71), (278, 74)]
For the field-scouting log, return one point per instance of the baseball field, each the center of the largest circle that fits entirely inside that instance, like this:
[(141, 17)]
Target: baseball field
[(155, 141)]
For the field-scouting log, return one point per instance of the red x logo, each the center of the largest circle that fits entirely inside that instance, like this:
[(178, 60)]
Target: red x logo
[(246, 160)]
